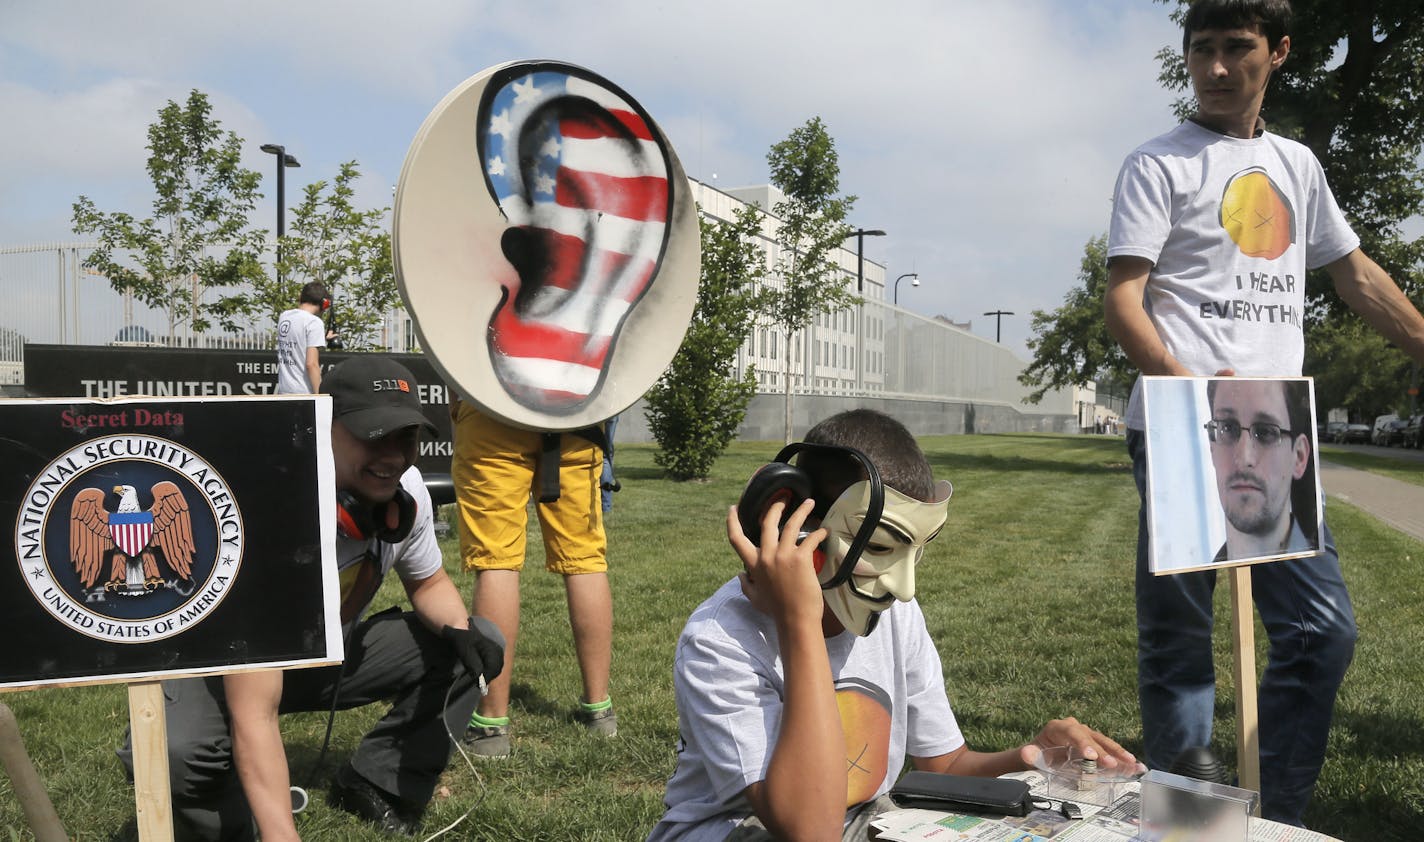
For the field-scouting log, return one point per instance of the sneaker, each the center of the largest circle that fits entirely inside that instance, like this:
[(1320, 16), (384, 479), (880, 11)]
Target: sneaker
[(358, 796), (601, 722), (489, 742)]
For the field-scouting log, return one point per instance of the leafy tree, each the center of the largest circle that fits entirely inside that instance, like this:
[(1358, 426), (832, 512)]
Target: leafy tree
[(1350, 90), (199, 237), (806, 169), (1071, 345), (1356, 367), (695, 409), (346, 249)]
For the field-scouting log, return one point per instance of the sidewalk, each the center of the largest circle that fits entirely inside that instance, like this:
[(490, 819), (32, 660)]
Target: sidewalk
[(1399, 504)]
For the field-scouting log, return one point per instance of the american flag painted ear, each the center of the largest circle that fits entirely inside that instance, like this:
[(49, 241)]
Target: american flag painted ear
[(582, 177), (546, 244)]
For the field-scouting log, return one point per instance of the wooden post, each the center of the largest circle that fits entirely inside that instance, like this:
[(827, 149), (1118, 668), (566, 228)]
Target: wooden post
[(1243, 647), (25, 781), (148, 728)]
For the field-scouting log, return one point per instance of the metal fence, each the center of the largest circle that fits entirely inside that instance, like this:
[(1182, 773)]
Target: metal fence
[(894, 354), (873, 350), (51, 298)]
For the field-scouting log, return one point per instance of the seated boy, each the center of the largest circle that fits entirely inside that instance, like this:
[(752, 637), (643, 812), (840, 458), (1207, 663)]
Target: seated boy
[(797, 705)]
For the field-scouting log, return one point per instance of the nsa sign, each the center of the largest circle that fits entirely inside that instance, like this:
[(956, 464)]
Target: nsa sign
[(160, 537)]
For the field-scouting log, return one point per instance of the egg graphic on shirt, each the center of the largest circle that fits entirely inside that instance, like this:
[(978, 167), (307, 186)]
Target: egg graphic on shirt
[(1257, 215)]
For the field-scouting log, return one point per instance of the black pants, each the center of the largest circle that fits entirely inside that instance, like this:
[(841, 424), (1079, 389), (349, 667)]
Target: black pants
[(391, 656)]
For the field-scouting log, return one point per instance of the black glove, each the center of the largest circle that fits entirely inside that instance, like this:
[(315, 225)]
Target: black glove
[(480, 647)]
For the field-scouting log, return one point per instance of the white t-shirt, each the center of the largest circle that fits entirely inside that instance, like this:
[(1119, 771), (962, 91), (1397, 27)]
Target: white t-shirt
[(728, 681), (362, 565), (1231, 225), (297, 330)]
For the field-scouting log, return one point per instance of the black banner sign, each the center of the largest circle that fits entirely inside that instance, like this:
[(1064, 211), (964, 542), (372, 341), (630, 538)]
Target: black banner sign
[(98, 372)]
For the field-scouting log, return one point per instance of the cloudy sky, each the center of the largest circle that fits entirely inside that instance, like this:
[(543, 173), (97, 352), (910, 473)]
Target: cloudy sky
[(983, 136)]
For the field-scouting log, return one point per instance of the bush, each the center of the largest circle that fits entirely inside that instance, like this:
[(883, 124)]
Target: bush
[(697, 406)]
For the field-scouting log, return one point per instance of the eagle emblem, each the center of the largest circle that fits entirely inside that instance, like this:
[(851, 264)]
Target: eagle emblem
[(141, 546)]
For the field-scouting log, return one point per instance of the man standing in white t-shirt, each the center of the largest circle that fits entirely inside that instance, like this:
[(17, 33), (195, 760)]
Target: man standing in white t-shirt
[(1214, 226), (300, 334)]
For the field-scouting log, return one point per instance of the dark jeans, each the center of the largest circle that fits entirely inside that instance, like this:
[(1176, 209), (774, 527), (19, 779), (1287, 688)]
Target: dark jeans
[(391, 657), (1306, 611)]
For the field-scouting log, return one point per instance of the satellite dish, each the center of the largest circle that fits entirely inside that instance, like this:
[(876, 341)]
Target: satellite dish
[(546, 244)]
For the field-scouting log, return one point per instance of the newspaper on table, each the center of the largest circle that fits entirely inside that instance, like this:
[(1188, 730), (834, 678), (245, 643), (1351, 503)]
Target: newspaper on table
[(1117, 822)]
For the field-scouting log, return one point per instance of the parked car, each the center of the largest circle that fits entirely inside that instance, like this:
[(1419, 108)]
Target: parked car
[(1413, 435), (1377, 432), (1335, 431), (1355, 434), (1393, 434)]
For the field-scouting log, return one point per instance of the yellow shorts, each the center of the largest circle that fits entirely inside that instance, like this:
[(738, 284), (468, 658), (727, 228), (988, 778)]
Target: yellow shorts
[(494, 471)]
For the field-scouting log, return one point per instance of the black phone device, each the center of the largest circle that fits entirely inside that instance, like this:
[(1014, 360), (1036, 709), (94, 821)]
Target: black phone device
[(962, 794)]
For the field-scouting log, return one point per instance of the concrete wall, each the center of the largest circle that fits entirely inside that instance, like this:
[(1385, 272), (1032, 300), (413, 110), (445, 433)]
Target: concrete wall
[(765, 420)]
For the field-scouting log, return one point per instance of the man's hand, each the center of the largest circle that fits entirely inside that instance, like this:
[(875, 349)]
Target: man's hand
[(1088, 743), (802, 795), (480, 647), (780, 578)]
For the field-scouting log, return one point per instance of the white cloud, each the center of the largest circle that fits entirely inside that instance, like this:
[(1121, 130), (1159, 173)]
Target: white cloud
[(983, 136)]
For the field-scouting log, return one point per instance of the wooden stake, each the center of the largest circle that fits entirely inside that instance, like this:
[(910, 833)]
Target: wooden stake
[(29, 789), (1243, 647), (148, 728)]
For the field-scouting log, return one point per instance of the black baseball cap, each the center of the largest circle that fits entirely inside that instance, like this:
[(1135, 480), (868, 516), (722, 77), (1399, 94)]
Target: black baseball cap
[(374, 396)]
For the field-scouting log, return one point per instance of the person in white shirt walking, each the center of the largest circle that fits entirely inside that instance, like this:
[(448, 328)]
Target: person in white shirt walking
[(300, 335)]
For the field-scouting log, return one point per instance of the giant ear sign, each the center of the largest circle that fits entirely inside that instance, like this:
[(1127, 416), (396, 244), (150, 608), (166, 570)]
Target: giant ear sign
[(775, 481), (546, 244)]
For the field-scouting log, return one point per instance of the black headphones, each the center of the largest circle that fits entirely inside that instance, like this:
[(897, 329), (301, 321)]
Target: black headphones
[(390, 522), (781, 480)]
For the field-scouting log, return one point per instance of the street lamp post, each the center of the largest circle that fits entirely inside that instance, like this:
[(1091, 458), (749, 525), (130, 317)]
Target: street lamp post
[(914, 283), (283, 161), (860, 234), (998, 320)]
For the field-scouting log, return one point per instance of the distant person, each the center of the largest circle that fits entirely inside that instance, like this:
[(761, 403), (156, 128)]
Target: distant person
[(300, 338), (798, 706), (1214, 227), (1259, 436)]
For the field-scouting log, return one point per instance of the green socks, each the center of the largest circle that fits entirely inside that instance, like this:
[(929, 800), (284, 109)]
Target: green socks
[(477, 721)]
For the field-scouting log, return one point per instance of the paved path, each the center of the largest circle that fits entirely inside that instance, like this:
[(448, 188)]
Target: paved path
[(1399, 504)]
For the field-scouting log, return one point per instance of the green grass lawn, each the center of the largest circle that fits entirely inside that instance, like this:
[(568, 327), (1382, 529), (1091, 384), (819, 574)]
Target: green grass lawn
[(1028, 592)]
